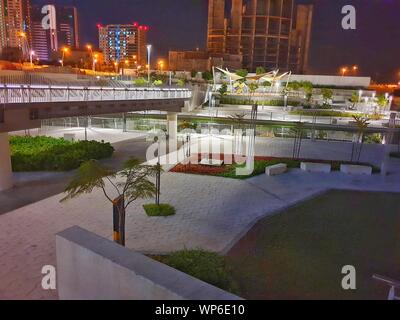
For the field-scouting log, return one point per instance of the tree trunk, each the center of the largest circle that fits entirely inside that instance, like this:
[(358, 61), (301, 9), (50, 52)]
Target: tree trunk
[(119, 220)]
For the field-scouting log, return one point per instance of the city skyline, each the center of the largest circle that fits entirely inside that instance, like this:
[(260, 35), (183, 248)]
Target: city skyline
[(370, 46)]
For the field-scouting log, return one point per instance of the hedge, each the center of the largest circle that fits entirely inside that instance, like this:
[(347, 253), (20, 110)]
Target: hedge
[(51, 154)]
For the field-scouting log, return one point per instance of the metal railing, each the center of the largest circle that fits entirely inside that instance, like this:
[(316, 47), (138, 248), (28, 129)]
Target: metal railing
[(38, 94)]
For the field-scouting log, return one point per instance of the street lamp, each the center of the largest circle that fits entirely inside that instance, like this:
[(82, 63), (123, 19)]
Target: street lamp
[(95, 60), (148, 62), (31, 54), (64, 51), (344, 70), (161, 65)]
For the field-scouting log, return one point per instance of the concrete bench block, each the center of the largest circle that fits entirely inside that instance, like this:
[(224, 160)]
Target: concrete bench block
[(316, 167), (356, 169), (276, 169)]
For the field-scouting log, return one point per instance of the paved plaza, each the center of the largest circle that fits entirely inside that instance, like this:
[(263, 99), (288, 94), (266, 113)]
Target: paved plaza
[(212, 213)]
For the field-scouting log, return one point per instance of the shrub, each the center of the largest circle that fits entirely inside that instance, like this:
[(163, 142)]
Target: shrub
[(51, 154), (207, 76), (140, 82), (163, 210), (203, 265)]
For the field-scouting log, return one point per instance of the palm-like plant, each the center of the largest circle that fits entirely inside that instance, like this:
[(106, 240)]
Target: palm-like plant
[(298, 131), (130, 184), (362, 125)]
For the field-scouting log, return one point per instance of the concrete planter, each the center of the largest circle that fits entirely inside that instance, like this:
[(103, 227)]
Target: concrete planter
[(355, 169), (316, 167), (276, 169)]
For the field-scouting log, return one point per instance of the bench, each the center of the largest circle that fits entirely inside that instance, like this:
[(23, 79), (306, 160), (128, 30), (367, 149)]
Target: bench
[(356, 169), (212, 162), (276, 169), (316, 167)]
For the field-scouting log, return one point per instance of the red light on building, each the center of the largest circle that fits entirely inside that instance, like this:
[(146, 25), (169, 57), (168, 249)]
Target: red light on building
[(135, 24), (99, 25), (146, 28)]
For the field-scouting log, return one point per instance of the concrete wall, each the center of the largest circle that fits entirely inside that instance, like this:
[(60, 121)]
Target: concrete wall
[(91, 267), (335, 81)]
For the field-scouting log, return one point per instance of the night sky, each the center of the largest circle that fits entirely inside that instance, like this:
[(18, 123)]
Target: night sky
[(182, 24)]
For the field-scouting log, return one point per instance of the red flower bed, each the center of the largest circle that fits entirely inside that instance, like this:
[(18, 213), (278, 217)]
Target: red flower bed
[(199, 169)]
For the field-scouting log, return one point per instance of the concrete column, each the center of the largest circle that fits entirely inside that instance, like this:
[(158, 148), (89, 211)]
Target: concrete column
[(6, 176), (172, 131)]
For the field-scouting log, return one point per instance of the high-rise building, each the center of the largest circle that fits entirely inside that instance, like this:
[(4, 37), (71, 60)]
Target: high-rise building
[(274, 34), (62, 30), (216, 26), (15, 24), (67, 27), (120, 42)]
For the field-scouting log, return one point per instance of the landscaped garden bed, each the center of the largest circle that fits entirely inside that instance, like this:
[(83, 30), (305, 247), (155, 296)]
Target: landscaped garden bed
[(260, 163), (52, 154)]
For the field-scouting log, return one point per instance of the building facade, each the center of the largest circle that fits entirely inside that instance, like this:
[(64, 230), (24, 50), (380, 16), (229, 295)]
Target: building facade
[(124, 42), (62, 30), (15, 25), (274, 34), (197, 60)]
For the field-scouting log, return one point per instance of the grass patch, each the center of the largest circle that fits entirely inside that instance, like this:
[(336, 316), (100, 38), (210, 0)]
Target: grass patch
[(259, 168), (163, 210), (51, 154), (299, 254), (203, 265)]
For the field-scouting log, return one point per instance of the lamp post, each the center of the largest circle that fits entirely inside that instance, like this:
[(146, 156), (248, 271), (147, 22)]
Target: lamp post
[(31, 54), (148, 62), (95, 60), (64, 51)]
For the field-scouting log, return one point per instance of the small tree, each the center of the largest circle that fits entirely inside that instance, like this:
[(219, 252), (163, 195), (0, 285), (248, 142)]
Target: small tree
[(181, 82), (308, 88), (362, 124), (253, 88), (207, 76), (223, 90), (355, 98), (193, 73), (294, 85), (130, 184), (327, 95), (140, 82), (242, 73), (382, 101), (158, 83), (260, 70)]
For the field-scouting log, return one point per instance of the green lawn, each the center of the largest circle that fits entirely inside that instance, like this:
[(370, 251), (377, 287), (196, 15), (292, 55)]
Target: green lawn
[(299, 254)]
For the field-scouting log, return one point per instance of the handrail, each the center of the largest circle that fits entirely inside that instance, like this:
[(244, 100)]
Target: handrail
[(387, 280), (393, 284), (37, 93)]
